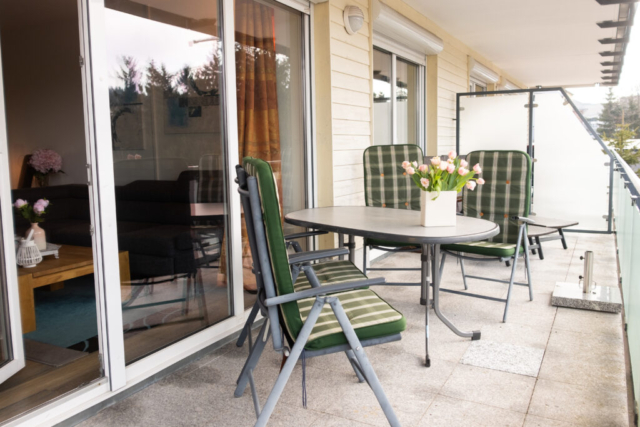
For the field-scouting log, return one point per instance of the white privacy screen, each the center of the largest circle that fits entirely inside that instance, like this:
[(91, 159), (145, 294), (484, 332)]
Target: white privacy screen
[(494, 123), (571, 174)]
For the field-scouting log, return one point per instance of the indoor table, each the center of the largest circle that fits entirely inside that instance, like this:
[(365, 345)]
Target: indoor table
[(399, 225)]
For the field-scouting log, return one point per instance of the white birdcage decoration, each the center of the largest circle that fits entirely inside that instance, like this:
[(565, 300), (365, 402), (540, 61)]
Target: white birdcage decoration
[(28, 254)]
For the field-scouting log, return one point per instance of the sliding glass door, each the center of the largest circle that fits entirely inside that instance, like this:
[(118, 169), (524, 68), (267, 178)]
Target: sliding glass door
[(169, 161), (48, 221)]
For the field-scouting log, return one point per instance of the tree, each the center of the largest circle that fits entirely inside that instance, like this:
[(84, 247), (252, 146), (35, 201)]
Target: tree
[(619, 142), (159, 78), (609, 116)]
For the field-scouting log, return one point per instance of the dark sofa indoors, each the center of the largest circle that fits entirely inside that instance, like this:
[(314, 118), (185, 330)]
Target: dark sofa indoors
[(154, 219)]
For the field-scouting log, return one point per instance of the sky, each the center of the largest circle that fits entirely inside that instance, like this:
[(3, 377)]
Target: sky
[(629, 79)]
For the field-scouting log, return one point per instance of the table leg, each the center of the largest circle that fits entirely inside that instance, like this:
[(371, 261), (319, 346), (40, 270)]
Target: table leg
[(425, 296), (424, 267), (435, 277), (340, 244), (352, 248)]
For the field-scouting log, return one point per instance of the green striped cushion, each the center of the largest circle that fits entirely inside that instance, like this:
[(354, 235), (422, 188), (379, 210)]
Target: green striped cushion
[(329, 273), (485, 248), (385, 182), (369, 314)]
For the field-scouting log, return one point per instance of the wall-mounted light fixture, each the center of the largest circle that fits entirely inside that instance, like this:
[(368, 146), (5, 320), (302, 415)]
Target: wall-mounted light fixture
[(353, 19)]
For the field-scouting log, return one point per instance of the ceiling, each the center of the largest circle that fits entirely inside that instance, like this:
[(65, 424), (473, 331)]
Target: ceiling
[(542, 42)]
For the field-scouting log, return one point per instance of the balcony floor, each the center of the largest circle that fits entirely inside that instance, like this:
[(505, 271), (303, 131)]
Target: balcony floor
[(582, 379)]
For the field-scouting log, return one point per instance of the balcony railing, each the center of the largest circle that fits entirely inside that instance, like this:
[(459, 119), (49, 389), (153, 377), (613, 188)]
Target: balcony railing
[(625, 189)]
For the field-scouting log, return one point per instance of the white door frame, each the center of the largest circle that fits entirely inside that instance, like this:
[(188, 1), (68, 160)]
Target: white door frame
[(12, 295), (102, 186)]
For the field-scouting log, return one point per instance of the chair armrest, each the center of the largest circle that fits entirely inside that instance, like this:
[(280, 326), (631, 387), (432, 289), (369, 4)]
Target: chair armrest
[(304, 234), (323, 290), (524, 219), (300, 257)]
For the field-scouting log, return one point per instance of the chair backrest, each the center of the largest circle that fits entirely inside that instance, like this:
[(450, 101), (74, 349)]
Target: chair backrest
[(506, 192), (274, 235), (386, 184)]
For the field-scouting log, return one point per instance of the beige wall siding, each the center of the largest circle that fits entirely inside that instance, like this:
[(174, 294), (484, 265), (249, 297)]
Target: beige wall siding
[(344, 86), (350, 104)]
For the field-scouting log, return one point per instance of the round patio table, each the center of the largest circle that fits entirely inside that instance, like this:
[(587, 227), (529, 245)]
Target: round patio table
[(399, 225)]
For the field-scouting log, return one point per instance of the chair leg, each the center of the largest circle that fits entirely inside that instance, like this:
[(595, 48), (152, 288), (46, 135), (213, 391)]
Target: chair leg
[(247, 325), (367, 370), (252, 360), (513, 274), (444, 256), (533, 251), (464, 274), (354, 364), (288, 366), (507, 263), (527, 266), (539, 248)]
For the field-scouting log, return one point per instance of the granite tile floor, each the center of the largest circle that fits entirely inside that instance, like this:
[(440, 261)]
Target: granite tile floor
[(579, 380)]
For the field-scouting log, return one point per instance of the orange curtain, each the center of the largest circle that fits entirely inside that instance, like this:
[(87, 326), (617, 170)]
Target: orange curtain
[(258, 123)]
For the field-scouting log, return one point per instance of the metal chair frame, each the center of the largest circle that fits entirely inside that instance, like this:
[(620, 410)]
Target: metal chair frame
[(268, 303), (522, 240)]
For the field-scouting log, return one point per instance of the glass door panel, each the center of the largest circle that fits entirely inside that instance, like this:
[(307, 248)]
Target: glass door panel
[(169, 152), (382, 118), (407, 94), (46, 197)]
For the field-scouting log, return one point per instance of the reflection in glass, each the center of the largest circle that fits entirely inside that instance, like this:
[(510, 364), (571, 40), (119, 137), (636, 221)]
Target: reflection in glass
[(382, 118), (407, 101), (269, 73), (165, 71)]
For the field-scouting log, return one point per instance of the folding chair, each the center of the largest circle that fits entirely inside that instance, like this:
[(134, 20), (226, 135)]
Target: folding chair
[(503, 199), (387, 185), (326, 309)]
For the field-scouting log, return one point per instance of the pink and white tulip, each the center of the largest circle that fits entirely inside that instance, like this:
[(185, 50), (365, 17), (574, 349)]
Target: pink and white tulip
[(443, 166), (470, 185), (463, 171), (405, 164), (480, 181), (464, 163), (435, 161), (423, 168), (477, 168), (414, 164), (451, 168), (424, 182), (452, 154), (410, 170)]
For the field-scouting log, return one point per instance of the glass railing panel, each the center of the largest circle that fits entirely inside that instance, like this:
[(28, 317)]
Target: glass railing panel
[(562, 144), (494, 123), (632, 302)]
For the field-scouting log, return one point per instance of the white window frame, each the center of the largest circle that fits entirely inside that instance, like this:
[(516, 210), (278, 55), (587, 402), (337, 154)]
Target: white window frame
[(396, 51), (119, 377)]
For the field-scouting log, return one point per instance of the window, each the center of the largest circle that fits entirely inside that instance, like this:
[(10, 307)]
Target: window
[(398, 107), (475, 86)]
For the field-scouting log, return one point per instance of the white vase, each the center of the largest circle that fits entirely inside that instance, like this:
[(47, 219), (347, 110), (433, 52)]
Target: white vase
[(440, 212), (39, 236)]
